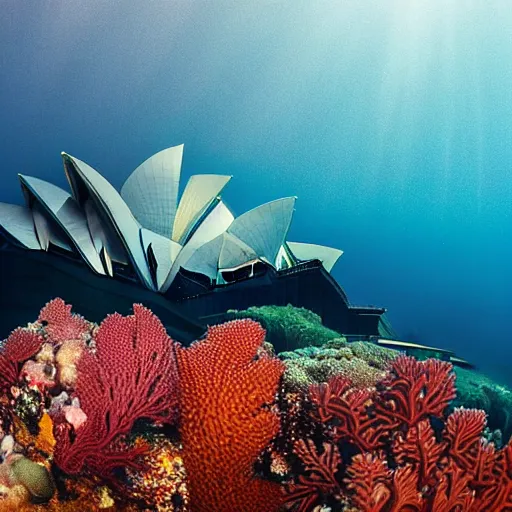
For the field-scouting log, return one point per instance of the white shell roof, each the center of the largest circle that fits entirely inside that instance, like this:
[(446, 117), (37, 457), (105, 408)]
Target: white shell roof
[(165, 252), (119, 215), (235, 252), (206, 259), (103, 237), (264, 228), (199, 194), (66, 212), (327, 255), (18, 222), (151, 191), (143, 226), (214, 224), (41, 225)]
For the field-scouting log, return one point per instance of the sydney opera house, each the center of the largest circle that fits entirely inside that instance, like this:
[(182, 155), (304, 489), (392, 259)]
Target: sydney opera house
[(189, 258)]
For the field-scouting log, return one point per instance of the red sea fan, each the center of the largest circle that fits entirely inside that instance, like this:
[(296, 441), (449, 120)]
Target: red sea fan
[(420, 449), (60, 324), (453, 493), (21, 345), (492, 481), (321, 475), (367, 482), (464, 428), (227, 388), (455, 470), (335, 400), (130, 375), (415, 390)]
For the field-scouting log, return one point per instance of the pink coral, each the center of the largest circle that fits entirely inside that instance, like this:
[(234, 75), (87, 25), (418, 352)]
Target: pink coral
[(74, 416), (130, 375), (38, 375)]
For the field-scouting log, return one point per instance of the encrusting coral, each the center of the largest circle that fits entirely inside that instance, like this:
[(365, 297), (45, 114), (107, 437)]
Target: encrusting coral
[(226, 394), (364, 364), (288, 327)]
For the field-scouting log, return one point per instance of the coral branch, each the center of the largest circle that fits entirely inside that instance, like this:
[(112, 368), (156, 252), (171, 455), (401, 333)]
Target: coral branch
[(21, 345), (130, 375), (321, 478), (416, 390)]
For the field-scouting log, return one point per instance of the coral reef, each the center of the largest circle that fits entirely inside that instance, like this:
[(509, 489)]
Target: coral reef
[(227, 389), (364, 364), (161, 484), (119, 417)]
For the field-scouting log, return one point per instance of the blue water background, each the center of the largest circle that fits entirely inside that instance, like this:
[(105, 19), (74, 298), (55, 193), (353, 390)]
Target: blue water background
[(390, 120)]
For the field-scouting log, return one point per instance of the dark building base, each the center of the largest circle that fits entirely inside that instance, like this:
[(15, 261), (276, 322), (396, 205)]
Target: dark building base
[(29, 279)]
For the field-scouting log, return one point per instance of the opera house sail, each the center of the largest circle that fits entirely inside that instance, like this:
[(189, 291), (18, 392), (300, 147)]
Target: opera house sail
[(190, 258)]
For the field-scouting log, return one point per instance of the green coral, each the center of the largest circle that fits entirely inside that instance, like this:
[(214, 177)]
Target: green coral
[(289, 327), (477, 391)]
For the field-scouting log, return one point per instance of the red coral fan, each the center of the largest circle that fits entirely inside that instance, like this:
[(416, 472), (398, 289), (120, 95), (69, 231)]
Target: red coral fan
[(227, 387), (366, 481), (336, 400), (464, 429), (60, 324), (321, 478), (419, 447), (130, 375), (21, 345), (455, 470), (415, 390)]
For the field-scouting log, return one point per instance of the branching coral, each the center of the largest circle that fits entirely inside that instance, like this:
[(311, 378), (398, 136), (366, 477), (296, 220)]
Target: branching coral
[(130, 374), (21, 345), (227, 388), (411, 467)]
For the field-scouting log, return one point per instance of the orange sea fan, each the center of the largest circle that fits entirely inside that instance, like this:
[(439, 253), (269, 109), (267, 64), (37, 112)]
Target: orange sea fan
[(227, 386)]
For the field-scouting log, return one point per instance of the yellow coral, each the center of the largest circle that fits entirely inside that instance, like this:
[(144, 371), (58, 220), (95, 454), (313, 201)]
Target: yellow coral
[(106, 500), (66, 358), (45, 441)]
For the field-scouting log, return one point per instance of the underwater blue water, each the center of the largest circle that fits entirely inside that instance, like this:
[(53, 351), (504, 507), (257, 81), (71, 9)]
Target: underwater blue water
[(389, 120)]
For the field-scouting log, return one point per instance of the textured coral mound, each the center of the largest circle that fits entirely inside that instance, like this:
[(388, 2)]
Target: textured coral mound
[(227, 386), (363, 363)]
